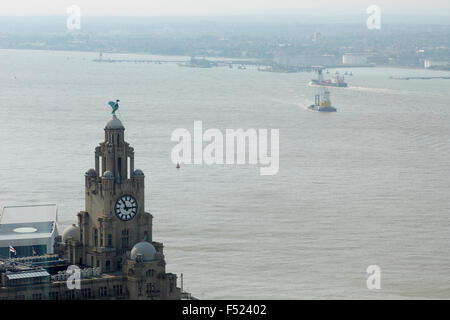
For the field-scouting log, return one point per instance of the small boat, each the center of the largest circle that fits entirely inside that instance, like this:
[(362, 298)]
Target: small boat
[(322, 102)]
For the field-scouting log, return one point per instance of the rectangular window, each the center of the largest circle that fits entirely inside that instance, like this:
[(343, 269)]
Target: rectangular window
[(95, 237), (129, 173), (119, 163), (53, 295), (125, 243), (36, 296), (86, 292), (109, 240), (70, 295), (118, 290), (103, 291)]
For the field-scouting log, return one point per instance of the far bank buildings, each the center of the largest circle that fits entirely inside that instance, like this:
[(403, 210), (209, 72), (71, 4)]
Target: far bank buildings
[(112, 243)]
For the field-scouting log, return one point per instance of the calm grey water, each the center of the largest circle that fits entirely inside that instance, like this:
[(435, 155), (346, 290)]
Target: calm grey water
[(367, 185)]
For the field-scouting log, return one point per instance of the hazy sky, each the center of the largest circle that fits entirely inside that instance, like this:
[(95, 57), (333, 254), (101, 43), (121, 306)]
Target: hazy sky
[(221, 7)]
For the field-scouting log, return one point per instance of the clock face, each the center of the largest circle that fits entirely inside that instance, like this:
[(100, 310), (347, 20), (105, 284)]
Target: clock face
[(126, 208)]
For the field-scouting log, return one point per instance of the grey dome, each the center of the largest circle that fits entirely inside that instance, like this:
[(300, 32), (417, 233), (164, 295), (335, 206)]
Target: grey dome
[(114, 123), (108, 175), (144, 248), (138, 172), (91, 173), (72, 232)]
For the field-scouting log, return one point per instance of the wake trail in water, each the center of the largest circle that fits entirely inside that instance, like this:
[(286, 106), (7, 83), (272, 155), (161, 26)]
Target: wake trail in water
[(394, 91), (376, 90)]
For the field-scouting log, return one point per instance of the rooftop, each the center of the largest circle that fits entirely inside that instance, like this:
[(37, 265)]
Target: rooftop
[(27, 274), (32, 213), (27, 222)]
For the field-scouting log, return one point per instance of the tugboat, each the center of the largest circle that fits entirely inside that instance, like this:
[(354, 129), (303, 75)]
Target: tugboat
[(322, 102)]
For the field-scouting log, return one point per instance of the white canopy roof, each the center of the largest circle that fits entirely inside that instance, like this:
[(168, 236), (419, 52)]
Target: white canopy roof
[(19, 225), (33, 213)]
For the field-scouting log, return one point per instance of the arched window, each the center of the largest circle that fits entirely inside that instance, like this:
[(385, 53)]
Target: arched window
[(108, 266)]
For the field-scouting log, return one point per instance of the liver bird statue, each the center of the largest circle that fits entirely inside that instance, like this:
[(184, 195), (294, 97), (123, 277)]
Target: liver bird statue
[(114, 106)]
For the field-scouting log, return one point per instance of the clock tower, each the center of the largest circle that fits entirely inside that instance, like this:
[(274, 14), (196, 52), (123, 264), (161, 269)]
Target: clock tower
[(112, 243), (114, 219)]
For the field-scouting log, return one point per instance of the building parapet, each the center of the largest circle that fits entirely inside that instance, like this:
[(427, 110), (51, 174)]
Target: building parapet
[(85, 273)]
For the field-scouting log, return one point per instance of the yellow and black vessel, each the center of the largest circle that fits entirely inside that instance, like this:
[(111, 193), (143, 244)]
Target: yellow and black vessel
[(322, 102)]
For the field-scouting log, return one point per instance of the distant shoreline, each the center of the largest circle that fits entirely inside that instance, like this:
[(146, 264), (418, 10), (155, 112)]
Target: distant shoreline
[(216, 57)]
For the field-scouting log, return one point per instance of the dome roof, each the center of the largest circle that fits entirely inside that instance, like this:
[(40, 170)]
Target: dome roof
[(91, 173), (108, 175), (114, 123), (138, 172), (72, 232), (144, 248)]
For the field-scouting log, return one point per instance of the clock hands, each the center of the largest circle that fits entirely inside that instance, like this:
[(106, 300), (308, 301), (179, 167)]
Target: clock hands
[(126, 208)]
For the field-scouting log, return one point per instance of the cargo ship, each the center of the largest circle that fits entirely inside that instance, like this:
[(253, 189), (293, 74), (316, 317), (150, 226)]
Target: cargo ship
[(336, 82)]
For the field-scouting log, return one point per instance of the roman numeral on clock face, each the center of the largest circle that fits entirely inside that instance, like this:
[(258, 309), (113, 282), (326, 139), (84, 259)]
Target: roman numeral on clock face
[(126, 207)]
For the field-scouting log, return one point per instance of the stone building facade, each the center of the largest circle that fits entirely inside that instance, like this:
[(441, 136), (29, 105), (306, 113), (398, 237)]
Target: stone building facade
[(114, 235)]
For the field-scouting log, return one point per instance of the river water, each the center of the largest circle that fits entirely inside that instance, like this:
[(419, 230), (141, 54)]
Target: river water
[(367, 185)]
